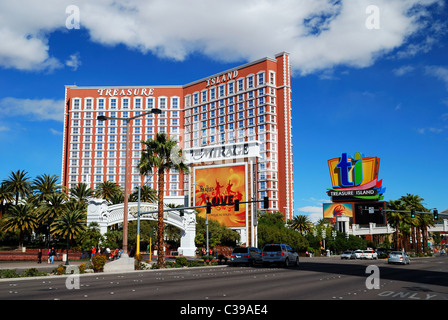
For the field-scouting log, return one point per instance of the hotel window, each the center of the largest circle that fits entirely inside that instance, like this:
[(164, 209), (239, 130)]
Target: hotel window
[(272, 77), (113, 104), (195, 98), (138, 103), (222, 90), (162, 103), (76, 104), (204, 96), (175, 103), (150, 103), (88, 104), (231, 88), (261, 79), (187, 101), (125, 103), (240, 84), (250, 82), (101, 104), (212, 93)]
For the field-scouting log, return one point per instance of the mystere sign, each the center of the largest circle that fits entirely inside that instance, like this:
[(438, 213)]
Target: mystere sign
[(223, 152)]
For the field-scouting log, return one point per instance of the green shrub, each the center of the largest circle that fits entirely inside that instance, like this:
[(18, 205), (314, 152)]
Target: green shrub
[(98, 263), (8, 273), (33, 272), (181, 261)]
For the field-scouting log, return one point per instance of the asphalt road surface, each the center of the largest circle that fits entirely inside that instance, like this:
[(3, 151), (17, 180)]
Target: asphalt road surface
[(313, 279)]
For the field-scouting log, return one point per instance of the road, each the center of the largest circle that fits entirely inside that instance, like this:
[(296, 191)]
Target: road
[(314, 279)]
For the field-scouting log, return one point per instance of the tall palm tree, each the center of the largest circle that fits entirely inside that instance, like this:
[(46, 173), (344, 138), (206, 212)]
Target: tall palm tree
[(161, 154), (21, 217), (19, 184), (414, 202), (394, 218), (81, 192), (70, 225), (147, 194), (107, 190), (302, 224), (6, 197), (50, 209), (44, 185)]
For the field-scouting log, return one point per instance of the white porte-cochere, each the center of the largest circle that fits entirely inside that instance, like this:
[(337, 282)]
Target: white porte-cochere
[(99, 211)]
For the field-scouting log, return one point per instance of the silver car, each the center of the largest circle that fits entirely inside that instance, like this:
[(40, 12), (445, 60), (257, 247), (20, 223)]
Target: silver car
[(280, 254), (348, 254), (399, 257), (245, 255)]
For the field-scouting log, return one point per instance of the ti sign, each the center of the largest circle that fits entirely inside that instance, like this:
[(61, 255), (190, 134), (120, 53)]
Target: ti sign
[(355, 178)]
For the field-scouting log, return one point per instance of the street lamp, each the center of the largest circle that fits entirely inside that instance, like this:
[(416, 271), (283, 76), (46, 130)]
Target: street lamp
[(126, 171)]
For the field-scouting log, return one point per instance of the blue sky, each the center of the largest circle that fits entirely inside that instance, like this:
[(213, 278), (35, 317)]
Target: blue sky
[(369, 81)]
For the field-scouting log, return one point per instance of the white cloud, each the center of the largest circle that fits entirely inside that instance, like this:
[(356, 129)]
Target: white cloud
[(314, 213), (319, 34), (74, 61), (36, 110), (439, 72), (403, 70)]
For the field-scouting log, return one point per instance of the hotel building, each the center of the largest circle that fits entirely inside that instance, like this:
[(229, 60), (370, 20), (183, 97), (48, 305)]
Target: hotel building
[(248, 106)]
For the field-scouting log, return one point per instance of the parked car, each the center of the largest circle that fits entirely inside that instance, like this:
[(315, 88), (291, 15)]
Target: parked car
[(348, 254), (280, 254), (369, 254), (399, 257), (245, 255), (358, 254)]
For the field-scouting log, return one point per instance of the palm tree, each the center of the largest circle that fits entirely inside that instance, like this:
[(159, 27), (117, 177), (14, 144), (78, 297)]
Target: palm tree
[(19, 184), (6, 197), (50, 209), (81, 192), (302, 224), (147, 194), (70, 225), (161, 154), (107, 190), (414, 202), (44, 185), (21, 217), (394, 218)]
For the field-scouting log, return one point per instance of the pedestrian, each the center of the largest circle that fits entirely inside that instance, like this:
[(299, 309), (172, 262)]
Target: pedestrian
[(92, 253), (39, 256), (51, 255)]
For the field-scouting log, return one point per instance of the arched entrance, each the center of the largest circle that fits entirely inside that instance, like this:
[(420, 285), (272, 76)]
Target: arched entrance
[(99, 211)]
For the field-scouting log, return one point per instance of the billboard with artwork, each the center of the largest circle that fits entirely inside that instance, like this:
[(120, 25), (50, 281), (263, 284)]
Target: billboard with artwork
[(221, 186)]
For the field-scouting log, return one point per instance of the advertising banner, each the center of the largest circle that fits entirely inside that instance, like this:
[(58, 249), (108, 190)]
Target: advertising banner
[(333, 210), (221, 186)]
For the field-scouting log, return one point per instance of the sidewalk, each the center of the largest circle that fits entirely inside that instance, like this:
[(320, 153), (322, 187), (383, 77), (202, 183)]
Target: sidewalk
[(44, 266)]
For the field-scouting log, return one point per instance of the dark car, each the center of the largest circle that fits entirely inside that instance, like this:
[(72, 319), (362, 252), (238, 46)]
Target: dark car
[(245, 255)]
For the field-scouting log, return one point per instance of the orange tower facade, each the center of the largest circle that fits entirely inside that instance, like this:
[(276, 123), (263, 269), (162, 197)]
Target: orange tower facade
[(246, 105)]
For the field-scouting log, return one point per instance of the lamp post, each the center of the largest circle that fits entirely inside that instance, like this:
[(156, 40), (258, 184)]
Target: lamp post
[(126, 171)]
